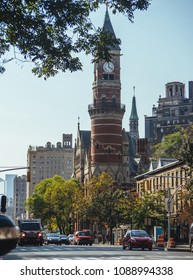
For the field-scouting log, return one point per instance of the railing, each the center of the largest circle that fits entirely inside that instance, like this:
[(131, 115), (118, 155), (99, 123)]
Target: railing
[(106, 105)]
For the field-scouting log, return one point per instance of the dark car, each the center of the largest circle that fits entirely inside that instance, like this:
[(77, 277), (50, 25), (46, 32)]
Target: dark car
[(191, 238), (52, 238), (83, 238), (64, 239), (137, 239)]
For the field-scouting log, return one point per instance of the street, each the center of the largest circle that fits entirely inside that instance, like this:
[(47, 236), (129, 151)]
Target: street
[(95, 252)]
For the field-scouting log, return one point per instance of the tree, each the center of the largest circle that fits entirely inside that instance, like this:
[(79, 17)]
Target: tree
[(177, 145), (54, 201), (51, 33), (186, 149), (106, 204), (148, 206), (170, 146)]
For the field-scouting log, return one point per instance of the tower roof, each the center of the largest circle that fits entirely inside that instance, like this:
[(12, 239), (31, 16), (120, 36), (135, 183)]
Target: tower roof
[(107, 26), (134, 115)]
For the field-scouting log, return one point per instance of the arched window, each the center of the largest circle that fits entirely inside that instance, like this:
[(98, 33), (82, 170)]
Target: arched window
[(114, 101), (103, 100)]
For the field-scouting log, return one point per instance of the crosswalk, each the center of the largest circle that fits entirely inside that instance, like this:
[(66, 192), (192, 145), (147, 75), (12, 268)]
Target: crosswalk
[(67, 252)]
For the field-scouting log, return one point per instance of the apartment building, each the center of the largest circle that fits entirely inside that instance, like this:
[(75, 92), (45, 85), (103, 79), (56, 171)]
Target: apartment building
[(170, 176), (45, 162)]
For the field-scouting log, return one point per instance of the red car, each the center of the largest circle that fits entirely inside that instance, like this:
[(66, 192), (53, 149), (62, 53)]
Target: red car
[(137, 239), (83, 237)]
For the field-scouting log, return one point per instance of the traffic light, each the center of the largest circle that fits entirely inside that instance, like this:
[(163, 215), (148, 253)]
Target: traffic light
[(28, 176), (3, 203)]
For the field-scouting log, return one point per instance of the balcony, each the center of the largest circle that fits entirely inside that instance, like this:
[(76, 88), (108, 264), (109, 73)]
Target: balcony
[(106, 108)]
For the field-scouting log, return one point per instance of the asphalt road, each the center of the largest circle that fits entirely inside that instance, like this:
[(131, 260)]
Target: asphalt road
[(95, 252)]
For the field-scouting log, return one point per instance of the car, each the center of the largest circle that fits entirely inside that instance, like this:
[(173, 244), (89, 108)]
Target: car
[(83, 238), (30, 232), (71, 238), (64, 239), (52, 238), (191, 238), (137, 239)]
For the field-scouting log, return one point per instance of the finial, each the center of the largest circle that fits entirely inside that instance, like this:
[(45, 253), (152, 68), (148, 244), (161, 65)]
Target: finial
[(107, 13), (134, 91), (78, 123)]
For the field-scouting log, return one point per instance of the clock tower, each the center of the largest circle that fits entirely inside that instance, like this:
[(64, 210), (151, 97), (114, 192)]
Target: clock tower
[(106, 114)]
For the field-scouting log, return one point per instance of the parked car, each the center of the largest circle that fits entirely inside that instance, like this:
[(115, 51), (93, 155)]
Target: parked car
[(191, 238), (71, 238), (137, 239), (52, 238), (64, 239), (83, 238)]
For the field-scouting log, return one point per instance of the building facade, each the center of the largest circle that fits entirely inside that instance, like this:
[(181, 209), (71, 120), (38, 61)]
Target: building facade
[(45, 162), (107, 147), (9, 192), (20, 187), (175, 109), (169, 176)]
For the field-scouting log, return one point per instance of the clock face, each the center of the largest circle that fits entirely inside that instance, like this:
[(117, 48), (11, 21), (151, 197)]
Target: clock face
[(108, 67)]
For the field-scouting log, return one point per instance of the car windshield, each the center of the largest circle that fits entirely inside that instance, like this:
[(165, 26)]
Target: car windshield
[(53, 235), (139, 233), (30, 226), (84, 233), (63, 236)]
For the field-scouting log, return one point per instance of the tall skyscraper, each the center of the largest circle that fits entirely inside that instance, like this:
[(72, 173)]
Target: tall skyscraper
[(9, 192)]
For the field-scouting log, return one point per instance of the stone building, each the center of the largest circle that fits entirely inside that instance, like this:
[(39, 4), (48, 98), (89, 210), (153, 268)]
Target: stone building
[(175, 109), (45, 162)]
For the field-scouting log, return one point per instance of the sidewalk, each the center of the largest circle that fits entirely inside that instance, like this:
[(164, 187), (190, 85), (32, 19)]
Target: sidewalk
[(178, 247)]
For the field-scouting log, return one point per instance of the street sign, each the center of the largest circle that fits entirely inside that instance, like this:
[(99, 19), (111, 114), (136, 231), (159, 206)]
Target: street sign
[(169, 205)]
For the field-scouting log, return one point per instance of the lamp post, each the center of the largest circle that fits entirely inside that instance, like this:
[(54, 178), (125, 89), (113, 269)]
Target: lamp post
[(169, 206), (169, 214)]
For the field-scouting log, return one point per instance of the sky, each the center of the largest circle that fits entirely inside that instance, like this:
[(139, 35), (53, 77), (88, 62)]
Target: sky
[(156, 49)]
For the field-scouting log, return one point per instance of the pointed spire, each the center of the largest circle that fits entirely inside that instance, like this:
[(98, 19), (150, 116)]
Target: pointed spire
[(107, 26), (134, 115)]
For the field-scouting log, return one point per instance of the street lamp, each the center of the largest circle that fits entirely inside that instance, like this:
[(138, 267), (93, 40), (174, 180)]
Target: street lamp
[(169, 208)]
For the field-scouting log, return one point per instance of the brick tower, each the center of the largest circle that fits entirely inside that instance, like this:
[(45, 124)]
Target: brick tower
[(106, 114)]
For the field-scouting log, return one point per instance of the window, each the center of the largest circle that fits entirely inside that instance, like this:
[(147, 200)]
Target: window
[(108, 77)]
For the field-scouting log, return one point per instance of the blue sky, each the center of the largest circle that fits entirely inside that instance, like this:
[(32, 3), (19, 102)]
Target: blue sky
[(156, 49)]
